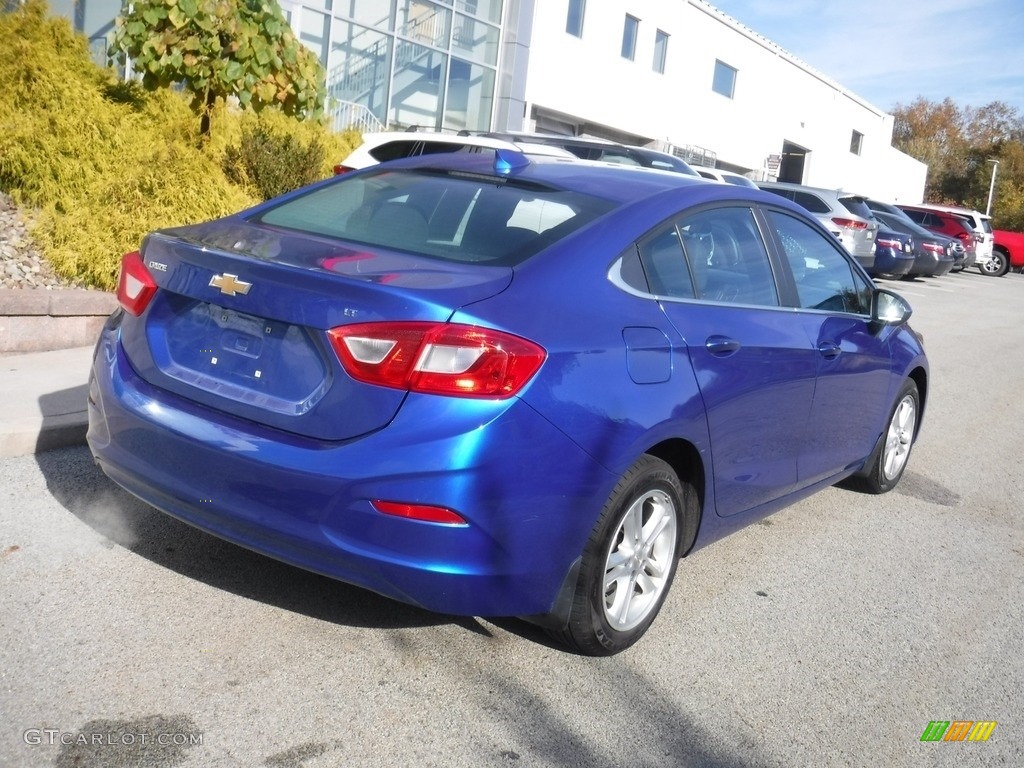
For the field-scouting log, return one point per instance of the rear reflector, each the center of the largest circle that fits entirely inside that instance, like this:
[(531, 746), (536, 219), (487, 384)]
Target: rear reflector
[(437, 358), (423, 512), (340, 169), (136, 286)]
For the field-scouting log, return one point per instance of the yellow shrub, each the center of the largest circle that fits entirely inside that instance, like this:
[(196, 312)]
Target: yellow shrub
[(105, 162)]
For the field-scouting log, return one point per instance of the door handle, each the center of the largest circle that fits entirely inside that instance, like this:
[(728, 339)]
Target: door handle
[(721, 346), (829, 350)]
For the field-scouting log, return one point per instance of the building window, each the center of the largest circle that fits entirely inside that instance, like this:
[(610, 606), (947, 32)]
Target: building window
[(629, 37), (725, 80), (660, 50), (574, 21), (856, 142)]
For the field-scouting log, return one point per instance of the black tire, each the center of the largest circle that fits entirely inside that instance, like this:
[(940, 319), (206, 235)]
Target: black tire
[(622, 584), (889, 459), (997, 266)]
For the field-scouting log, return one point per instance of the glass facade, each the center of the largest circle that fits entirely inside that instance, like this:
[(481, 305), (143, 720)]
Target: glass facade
[(409, 62)]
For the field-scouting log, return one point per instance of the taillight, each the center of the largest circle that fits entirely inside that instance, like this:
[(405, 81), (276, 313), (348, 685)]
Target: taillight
[(850, 223), (135, 287), (340, 169), (437, 358), (933, 247), (424, 512), (882, 242)]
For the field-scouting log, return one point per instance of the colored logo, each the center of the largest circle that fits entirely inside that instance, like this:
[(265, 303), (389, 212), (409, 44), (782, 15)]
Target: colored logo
[(958, 730), (230, 284)]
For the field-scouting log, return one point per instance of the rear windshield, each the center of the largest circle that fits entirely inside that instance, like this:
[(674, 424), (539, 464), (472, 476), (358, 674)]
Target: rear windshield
[(446, 215), (856, 206)]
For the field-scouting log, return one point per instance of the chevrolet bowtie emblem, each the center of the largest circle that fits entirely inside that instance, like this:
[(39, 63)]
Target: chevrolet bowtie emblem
[(230, 284)]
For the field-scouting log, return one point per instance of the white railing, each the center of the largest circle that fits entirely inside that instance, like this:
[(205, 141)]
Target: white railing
[(347, 115)]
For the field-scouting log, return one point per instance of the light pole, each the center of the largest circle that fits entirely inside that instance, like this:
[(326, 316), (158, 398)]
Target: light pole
[(992, 186)]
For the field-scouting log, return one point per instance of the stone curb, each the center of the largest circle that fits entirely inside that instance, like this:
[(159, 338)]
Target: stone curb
[(42, 320)]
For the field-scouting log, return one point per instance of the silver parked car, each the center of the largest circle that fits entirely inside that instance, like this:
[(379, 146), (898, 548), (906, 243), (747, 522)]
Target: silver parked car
[(845, 214)]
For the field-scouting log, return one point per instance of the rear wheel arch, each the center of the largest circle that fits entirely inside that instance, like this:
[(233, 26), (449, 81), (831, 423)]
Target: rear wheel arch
[(921, 380), (686, 462)]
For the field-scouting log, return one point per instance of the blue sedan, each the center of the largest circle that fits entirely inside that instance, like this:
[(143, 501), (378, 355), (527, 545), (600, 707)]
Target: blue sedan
[(502, 386)]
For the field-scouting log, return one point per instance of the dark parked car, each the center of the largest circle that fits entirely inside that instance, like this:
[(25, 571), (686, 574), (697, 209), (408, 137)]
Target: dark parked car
[(952, 246), (951, 225), (932, 252), (894, 253), (502, 386)]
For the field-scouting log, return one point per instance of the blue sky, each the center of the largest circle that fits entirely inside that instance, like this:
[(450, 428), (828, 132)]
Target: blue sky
[(889, 51)]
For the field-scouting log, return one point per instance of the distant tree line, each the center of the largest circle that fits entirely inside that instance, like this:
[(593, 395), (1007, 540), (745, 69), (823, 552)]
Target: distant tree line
[(958, 144)]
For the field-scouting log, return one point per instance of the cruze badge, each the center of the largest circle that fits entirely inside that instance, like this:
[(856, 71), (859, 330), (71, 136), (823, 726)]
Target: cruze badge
[(230, 285)]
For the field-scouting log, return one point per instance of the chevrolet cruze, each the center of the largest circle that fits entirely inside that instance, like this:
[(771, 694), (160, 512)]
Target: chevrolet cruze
[(502, 386)]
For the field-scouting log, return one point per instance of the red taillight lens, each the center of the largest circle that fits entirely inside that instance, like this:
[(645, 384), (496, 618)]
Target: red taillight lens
[(850, 223), (136, 286), (437, 358), (933, 247), (340, 169), (882, 242), (423, 512)]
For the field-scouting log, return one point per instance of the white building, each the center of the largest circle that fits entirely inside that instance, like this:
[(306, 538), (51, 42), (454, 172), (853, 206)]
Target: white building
[(683, 73), (678, 74)]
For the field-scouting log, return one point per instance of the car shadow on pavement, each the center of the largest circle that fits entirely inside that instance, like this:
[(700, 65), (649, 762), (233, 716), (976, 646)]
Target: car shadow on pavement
[(80, 486)]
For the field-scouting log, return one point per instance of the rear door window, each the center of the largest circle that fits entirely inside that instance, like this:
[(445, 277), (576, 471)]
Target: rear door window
[(727, 257)]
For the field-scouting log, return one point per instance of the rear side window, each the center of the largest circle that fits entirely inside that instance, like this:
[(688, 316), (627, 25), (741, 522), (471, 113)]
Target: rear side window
[(442, 147), (454, 217), (812, 203), (393, 150), (665, 265), (824, 278)]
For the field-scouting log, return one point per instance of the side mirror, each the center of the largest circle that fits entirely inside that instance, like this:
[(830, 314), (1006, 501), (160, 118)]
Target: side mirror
[(888, 308)]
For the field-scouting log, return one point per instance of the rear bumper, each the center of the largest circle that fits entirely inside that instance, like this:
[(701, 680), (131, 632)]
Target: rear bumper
[(895, 265), (529, 494)]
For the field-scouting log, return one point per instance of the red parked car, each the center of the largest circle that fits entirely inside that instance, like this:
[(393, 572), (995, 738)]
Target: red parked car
[(1008, 250)]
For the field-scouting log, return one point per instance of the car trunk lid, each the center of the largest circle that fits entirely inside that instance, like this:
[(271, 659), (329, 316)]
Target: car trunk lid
[(240, 319)]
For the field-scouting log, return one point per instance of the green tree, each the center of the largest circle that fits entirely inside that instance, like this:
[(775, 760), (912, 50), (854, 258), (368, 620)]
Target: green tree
[(957, 144), (221, 48)]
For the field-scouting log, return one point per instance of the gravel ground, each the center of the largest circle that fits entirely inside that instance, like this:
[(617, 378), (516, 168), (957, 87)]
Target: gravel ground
[(21, 263)]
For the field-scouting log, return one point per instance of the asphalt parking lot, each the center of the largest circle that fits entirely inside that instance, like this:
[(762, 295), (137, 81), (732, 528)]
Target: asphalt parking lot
[(832, 633)]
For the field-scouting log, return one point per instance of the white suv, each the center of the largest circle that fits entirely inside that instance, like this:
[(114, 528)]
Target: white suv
[(391, 145), (983, 237)]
